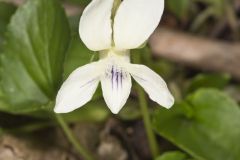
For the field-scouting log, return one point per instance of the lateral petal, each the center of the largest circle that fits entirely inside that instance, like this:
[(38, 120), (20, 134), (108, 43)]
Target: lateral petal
[(153, 84), (78, 89)]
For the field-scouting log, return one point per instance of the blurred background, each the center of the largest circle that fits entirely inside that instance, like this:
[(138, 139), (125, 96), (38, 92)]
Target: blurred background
[(196, 49)]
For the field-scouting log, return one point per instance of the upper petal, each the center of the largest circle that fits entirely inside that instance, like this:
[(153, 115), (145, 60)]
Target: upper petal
[(116, 87), (78, 89), (153, 84), (95, 25), (135, 21)]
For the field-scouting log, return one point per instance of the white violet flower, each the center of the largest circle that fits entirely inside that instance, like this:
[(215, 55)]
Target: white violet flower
[(113, 27)]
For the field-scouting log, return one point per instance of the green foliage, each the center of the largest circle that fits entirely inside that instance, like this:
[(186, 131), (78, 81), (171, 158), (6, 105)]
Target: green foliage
[(6, 11), (217, 9), (37, 57), (209, 81), (79, 2), (163, 68), (218, 6), (174, 155), (95, 111), (77, 55), (206, 125), (32, 59), (130, 111), (74, 25), (180, 8)]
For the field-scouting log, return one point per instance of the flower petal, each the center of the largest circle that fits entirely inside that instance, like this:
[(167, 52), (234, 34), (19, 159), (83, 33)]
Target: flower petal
[(78, 89), (95, 25), (116, 87), (153, 84), (135, 21)]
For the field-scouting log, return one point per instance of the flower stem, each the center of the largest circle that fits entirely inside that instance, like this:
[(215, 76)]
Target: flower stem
[(82, 151), (154, 148)]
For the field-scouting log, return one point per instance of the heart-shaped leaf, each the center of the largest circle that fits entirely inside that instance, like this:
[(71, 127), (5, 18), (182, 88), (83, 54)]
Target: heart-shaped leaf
[(32, 60), (77, 55), (209, 81), (206, 125), (174, 155), (6, 11)]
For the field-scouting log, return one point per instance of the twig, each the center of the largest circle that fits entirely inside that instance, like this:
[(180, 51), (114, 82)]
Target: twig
[(202, 53)]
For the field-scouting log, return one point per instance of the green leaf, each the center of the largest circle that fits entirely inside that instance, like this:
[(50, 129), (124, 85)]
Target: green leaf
[(179, 8), (74, 25), (96, 111), (206, 125), (79, 2), (77, 55), (32, 59), (163, 68), (130, 111), (6, 11), (174, 155), (209, 81)]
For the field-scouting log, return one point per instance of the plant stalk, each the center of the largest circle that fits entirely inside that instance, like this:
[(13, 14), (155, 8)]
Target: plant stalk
[(154, 148), (82, 151)]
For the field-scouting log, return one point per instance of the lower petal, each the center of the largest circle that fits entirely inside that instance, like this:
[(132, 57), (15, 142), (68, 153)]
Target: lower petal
[(116, 87), (78, 89), (153, 84)]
